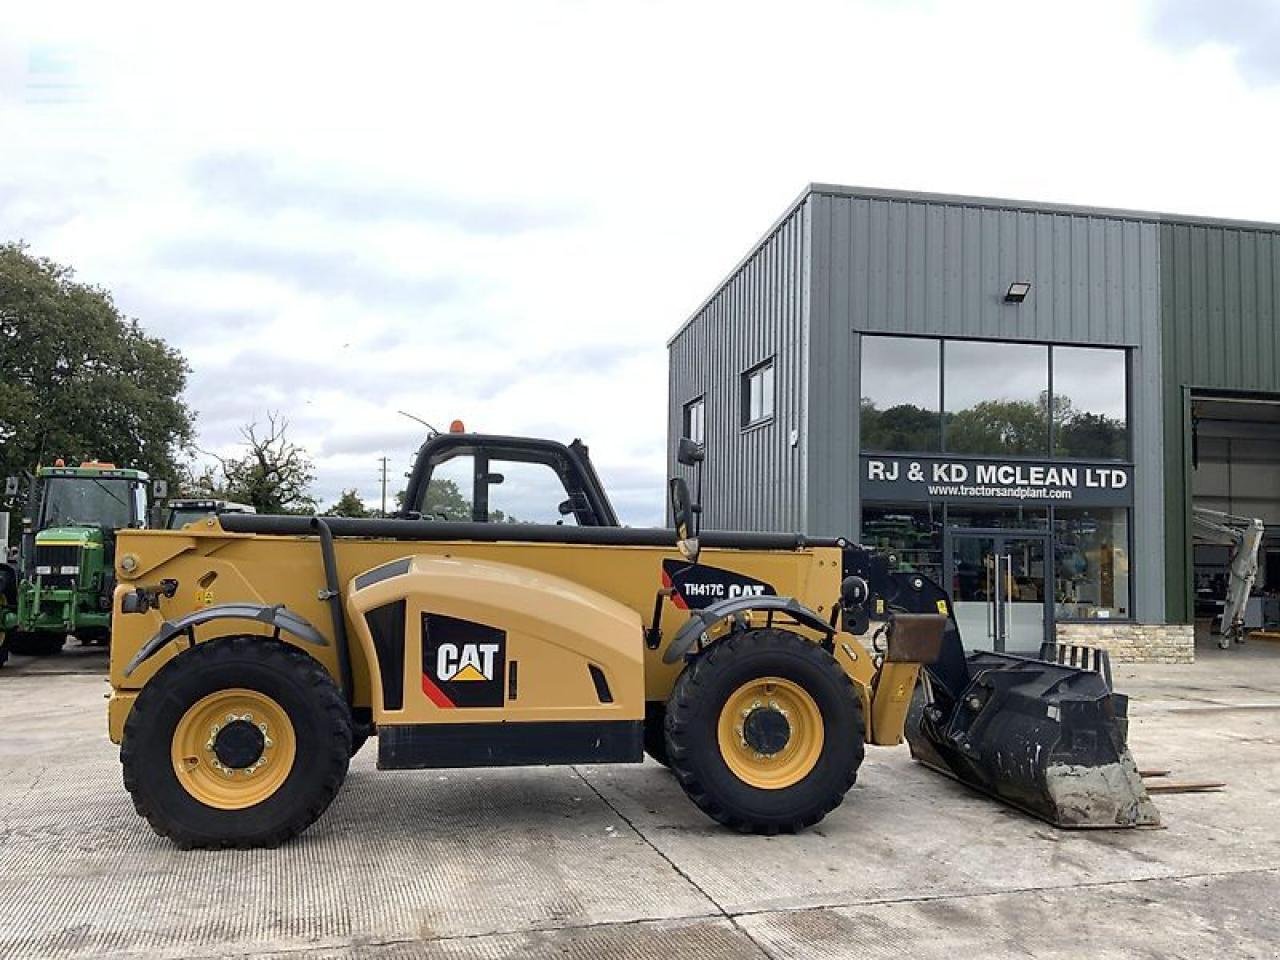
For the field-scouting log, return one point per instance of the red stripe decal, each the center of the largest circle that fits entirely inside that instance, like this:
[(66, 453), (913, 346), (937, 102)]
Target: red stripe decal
[(675, 596), (435, 694)]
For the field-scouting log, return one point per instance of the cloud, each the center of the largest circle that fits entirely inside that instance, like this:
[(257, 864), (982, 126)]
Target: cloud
[(257, 184), (339, 272), (1250, 28)]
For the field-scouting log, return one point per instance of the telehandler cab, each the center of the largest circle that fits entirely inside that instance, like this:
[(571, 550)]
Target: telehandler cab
[(253, 655)]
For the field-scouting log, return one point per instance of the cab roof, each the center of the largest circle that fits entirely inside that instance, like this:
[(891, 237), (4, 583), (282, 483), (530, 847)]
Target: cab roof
[(90, 471)]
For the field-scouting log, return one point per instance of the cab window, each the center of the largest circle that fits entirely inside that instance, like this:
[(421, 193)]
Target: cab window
[(496, 490)]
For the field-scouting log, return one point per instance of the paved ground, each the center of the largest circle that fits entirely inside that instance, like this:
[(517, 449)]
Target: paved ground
[(614, 862)]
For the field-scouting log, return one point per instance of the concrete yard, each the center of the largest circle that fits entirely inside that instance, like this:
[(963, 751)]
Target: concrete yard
[(613, 861)]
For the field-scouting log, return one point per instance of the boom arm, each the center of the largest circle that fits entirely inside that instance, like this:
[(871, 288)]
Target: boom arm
[(1244, 536)]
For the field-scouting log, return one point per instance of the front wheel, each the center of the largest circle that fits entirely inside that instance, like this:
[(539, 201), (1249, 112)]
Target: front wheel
[(238, 742), (35, 644), (764, 731)]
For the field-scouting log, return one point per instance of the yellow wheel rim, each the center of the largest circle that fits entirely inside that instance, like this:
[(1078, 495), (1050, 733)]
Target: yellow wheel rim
[(759, 760), (233, 748)]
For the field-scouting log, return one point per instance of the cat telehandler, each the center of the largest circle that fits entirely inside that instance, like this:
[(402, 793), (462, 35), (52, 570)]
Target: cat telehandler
[(253, 655)]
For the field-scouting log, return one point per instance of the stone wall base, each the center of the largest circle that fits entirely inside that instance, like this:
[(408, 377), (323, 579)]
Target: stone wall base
[(1134, 642)]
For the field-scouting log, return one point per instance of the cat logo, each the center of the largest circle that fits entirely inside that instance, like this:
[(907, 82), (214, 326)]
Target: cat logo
[(470, 661), (464, 664)]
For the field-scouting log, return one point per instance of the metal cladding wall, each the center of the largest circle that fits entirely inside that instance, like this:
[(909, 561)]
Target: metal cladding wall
[(754, 478), (887, 262), (1220, 316)]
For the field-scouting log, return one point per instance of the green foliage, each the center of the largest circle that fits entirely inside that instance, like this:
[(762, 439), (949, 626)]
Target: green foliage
[(273, 475), (999, 427), (1089, 435), (902, 427), (348, 505), (81, 381), (994, 427), (444, 500)]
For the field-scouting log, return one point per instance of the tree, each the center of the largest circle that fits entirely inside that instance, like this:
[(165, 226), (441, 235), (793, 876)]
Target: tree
[(999, 426), (79, 380), (348, 505), (273, 475), (903, 427)]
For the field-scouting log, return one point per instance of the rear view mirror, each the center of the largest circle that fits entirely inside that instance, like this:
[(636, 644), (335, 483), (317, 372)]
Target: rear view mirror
[(159, 489), (689, 453), (682, 513), (11, 486), (572, 504)]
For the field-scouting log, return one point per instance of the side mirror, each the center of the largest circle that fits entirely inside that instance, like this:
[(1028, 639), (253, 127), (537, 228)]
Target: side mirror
[(682, 512), (11, 486), (689, 453), (573, 503), (159, 489)]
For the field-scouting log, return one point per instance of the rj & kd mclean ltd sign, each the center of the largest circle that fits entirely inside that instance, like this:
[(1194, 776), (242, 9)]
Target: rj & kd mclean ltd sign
[(954, 480)]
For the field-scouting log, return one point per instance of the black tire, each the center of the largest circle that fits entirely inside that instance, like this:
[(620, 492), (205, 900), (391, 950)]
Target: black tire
[(321, 722), (34, 644), (655, 732), (693, 713)]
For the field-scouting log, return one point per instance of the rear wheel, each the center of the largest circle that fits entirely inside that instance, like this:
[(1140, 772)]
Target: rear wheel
[(35, 644), (764, 731), (238, 742)]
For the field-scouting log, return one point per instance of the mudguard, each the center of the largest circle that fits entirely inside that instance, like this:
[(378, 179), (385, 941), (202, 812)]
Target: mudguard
[(275, 616), (700, 621)]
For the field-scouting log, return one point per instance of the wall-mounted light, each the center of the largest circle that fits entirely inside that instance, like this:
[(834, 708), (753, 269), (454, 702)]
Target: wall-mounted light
[(1017, 291)]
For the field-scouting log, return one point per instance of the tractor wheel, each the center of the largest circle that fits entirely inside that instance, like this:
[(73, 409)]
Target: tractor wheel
[(237, 742), (655, 732), (764, 731), (34, 644)]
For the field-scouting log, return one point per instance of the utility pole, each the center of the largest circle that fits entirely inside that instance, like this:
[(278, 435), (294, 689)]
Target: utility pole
[(383, 461)]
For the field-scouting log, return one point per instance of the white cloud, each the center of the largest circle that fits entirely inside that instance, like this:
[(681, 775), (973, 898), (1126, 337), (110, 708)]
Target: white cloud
[(501, 211)]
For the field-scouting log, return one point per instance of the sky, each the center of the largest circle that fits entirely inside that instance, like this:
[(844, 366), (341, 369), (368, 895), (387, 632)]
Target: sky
[(500, 212)]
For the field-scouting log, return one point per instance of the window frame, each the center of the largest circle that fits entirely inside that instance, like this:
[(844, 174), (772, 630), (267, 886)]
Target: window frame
[(1125, 352), (747, 378), (686, 419)]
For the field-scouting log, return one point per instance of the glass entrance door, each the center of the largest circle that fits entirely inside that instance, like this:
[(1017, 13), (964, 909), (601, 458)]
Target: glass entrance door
[(998, 590)]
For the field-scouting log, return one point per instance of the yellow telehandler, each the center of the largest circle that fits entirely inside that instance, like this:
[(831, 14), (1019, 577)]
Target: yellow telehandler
[(253, 655)]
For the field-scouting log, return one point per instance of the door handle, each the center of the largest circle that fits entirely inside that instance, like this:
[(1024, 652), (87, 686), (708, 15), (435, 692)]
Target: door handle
[(998, 602), (991, 602), (1008, 593)]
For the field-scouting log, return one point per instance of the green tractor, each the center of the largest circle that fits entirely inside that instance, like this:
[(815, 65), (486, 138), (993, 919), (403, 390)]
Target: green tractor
[(61, 580)]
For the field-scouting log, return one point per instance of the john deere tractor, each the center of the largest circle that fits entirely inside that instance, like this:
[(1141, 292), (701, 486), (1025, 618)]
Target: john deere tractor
[(62, 578)]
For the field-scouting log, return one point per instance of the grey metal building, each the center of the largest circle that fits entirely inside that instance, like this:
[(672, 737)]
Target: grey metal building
[(1020, 399)]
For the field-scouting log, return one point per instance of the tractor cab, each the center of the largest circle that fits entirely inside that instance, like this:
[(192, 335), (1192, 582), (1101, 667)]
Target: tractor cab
[(64, 575), (180, 512), (488, 478)]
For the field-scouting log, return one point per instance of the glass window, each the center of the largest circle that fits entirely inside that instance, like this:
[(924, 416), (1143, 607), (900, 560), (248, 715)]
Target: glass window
[(517, 492), (1091, 563), (1089, 403), (695, 420), (757, 394), (899, 406), (102, 501), (526, 493), (448, 494), (995, 517), (997, 397), (912, 533)]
